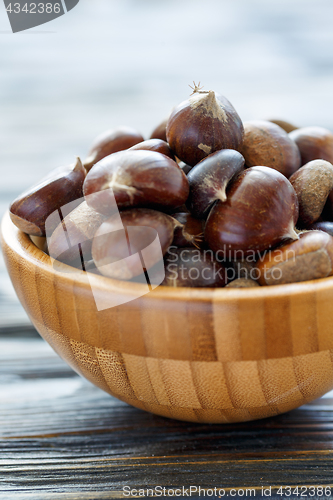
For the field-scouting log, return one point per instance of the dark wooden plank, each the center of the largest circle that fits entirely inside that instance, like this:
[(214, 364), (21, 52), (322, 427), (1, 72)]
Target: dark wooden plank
[(60, 435)]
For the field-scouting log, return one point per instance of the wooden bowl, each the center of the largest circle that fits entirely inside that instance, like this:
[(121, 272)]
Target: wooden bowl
[(202, 355)]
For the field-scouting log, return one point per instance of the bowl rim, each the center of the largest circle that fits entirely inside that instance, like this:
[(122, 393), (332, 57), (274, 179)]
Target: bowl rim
[(21, 244)]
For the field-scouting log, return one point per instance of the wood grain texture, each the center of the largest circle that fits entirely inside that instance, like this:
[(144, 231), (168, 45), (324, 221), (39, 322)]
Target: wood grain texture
[(192, 354), (61, 437)]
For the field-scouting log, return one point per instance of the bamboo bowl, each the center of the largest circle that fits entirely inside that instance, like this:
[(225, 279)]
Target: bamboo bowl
[(201, 355)]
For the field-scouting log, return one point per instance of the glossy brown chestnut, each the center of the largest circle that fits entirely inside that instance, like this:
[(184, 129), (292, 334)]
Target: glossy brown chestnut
[(313, 143), (245, 268), (209, 179), (135, 178), (312, 183), (30, 210), (185, 168), (154, 145), (190, 267), (125, 244), (265, 143), (242, 283), (326, 226), (287, 126), (159, 132), (261, 211), (71, 241), (327, 213), (308, 258), (111, 141), (203, 124), (40, 242), (189, 231)]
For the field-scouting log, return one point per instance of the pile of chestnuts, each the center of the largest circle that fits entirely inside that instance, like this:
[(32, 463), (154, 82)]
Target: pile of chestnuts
[(233, 204)]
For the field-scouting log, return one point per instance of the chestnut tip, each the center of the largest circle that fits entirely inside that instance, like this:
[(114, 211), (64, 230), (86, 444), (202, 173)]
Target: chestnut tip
[(291, 234), (78, 165)]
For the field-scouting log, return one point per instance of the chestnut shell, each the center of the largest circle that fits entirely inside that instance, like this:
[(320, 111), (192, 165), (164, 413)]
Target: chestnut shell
[(112, 141), (308, 258), (313, 183), (138, 179), (154, 145), (77, 228), (261, 211), (203, 124), (159, 131), (189, 231), (190, 267), (286, 126), (209, 179), (31, 209), (314, 143), (326, 226), (112, 245), (266, 143)]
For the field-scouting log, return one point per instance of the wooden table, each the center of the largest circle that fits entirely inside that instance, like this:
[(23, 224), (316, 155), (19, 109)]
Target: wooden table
[(60, 437)]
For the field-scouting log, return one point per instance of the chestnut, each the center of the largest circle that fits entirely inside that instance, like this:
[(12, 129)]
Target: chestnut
[(326, 226), (308, 258), (190, 267), (40, 242), (327, 213), (159, 131), (242, 283), (243, 268), (71, 241), (134, 241), (188, 230), (31, 209), (312, 183), (135, 178), (203, 124), (111, 141), (154, 145), (265, 143), (313, 143), (260, 211), (286, 126), (208, 180), (185, 168)]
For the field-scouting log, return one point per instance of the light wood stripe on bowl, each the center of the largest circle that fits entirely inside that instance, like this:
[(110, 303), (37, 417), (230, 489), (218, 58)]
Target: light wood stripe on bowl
[(204, 355)]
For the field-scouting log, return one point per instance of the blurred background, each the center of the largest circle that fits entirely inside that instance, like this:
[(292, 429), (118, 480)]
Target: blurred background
[(128, 62)]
